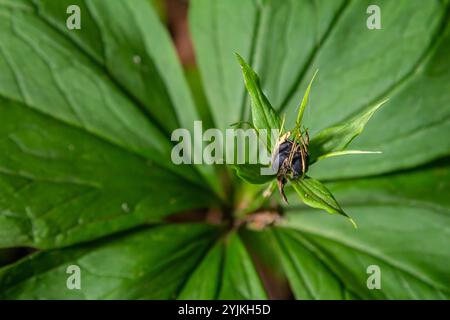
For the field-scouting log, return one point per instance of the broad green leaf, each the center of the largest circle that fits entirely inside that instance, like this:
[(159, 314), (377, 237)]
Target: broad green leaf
[(405, 61), (86, 153), (309, 278), (135, 65), (314, 194), (413, 128), (403, 224), (263, 115), (219, 29), (107, 78), (337, 138), (195, 84), (240, 280), (60, 185), (251, 173), (147, 264), (46, 71), (226, 272)]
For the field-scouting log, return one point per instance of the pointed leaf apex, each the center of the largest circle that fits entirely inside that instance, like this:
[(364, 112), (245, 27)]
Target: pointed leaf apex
[(353, 223), (240, 59), (377, 106)]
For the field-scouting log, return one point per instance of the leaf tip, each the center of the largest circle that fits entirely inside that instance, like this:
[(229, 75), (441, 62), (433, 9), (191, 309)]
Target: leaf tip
[(240, 59), (353, 223), (381, 103)]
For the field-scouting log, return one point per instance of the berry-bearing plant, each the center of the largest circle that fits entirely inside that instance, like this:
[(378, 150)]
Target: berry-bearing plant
[(292, 154), (93, 207)]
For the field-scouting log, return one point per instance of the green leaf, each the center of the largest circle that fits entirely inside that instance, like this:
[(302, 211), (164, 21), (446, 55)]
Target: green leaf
[(86, 116), (308, 277), (225, 273), (216, 38), (403, 222), (60, 185), (314, 194), (240, 280), (336, 139), (263, 115), (39, 66), (107, 78), (204, 282), (301, 108), (137, 66), (148, 264), (358, 67), (345, 152), (417, 112), (251, 173)]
